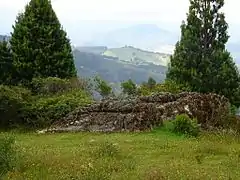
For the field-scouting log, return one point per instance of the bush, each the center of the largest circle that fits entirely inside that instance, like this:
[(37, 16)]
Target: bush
[(167, 86), (46, 110), (151, 83), (53, 85), (12, 101), (102, 87), (183, 124), (129, 87), (8, 156)]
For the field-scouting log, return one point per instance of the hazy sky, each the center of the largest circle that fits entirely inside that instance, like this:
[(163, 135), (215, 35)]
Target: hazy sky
[(91, 16)]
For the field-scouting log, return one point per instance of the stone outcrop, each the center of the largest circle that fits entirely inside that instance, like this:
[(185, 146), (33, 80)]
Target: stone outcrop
[(144, 113)]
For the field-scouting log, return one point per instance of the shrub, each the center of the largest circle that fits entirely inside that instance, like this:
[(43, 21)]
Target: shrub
[(102, 87), (167, 86), (12, 101), (183, 124), (53, 85), (46, 110), (7, 155), (151, 83), (129, 87)]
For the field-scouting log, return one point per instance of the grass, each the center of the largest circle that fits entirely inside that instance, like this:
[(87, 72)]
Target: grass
[(155, 155), (128, 53)]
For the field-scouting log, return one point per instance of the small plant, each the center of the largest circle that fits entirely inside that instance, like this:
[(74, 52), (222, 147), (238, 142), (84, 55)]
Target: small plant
[(151, 83), (183, 124), (129, 87), (107, 149), (7, 155), (102, 87)]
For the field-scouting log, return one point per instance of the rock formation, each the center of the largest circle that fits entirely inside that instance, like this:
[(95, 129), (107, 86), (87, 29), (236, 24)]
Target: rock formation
[(144, 113)]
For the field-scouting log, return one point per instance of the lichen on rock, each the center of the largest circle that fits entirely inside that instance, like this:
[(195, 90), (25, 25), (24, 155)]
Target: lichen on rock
[(145, 113)]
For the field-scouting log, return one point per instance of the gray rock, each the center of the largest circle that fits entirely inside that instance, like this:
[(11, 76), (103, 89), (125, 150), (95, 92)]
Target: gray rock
[(144, 113)]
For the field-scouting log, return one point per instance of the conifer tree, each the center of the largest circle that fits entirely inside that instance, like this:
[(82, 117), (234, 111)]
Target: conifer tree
[(151, 82), (129, 87), (39, 44), (200, 60), (6, 65)]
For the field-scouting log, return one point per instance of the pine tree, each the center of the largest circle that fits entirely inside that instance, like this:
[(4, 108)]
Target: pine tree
[(129, 87), (200, 60), (6, 65), (40, 45), (151, 82)]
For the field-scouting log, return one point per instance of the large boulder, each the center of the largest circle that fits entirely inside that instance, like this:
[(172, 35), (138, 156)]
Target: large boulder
[(144, 113)]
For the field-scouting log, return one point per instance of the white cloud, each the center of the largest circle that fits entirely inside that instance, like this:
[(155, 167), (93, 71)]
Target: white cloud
[(72, 13), (169, 10)]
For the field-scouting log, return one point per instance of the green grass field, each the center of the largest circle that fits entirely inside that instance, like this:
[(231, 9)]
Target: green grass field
[(156, 155)]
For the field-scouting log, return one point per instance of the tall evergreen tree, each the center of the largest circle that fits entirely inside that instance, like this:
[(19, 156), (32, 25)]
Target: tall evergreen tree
[(39, 44), (6, 64), (200, 60)]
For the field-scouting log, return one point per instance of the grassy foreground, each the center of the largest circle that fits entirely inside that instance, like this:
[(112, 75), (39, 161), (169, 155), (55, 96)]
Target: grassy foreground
[(155, 155)]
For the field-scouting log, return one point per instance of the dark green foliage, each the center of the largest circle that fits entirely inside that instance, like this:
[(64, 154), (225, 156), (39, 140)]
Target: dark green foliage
[(183, 124), (6, 64), (200, 60), (129, 87), (39, 44), (151, 82), (12, 101), (19, 108), (102, 87), (7, 155), (47, 109)]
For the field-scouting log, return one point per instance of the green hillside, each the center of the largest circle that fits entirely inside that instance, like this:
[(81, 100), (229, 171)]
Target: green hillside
[(92, 49), (138, 56), (115, 71)]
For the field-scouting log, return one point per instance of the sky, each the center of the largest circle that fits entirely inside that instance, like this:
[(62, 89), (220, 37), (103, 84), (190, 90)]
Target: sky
[(88, 17)]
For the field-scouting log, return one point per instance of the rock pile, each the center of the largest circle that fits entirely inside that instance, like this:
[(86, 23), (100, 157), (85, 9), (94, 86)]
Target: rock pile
[(144, 113)]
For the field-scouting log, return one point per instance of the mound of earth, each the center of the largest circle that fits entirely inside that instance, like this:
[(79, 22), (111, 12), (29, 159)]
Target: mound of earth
[(144, 113)]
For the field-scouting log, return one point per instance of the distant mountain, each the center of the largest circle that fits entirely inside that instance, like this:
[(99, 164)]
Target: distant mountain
[(4, 38), (143, 36), (149, 37), (114, 70), (92, 49)]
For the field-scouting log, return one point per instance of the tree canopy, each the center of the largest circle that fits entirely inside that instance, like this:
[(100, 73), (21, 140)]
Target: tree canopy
[(200, 60), (6, 64), (39, 44)]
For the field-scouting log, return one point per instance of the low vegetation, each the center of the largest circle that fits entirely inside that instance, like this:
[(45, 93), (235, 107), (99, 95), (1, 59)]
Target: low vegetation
[(8, 155), (155, 155), (54, 98), (167, 86), (41, 88), (183, 124)]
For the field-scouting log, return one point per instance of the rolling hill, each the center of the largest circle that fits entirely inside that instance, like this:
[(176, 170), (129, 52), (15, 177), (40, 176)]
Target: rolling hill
[(149, 37), (137, 56), (3, 37), (114, 70), (143, 36)]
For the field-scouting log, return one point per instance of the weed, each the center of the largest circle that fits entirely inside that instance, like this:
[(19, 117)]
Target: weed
[(7, 155), (183, 124)]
